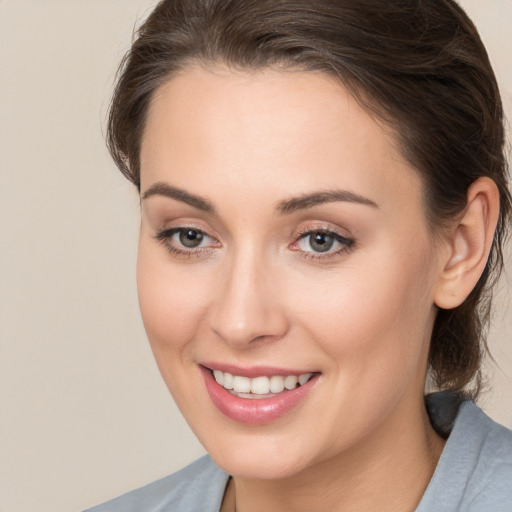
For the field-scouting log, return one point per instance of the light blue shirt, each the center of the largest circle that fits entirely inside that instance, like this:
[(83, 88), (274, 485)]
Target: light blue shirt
[(474, 473)]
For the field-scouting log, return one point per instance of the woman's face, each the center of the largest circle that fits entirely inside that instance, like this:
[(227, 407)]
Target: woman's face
[(283, 235)]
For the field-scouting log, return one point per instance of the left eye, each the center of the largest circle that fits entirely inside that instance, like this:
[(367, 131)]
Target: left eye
[(322, 241)]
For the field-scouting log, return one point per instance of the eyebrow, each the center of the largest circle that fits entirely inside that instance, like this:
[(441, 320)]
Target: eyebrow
[(163, 189), (284, 207), (309, 200)]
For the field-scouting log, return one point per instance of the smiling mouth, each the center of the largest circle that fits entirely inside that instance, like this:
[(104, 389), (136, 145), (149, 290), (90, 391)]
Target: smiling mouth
[(258, 396), (259, 387)]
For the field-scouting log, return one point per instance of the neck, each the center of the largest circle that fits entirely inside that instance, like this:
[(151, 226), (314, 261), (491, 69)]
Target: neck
[(389, 473)]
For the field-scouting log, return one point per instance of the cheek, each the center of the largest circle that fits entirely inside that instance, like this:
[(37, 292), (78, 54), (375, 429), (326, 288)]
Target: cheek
[(170, 304), (374, 330), (170, 301), (372, 318)]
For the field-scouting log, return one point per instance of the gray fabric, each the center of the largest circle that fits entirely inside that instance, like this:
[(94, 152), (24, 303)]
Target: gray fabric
[(474, 473), (197, 487)]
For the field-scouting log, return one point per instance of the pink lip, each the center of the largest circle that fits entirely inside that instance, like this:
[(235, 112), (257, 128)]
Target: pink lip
[(255, 411), (254, 371)]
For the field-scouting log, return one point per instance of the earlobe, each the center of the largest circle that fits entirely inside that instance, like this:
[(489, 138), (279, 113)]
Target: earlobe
[(469, 243)]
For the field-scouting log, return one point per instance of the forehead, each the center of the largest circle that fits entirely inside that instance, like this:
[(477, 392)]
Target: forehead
[(289, 131)]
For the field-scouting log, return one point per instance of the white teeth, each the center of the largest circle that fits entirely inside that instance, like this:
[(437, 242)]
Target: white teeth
[(244, 386), (290, 382), (276, 384), (219, 377), (302, 378), (260, 385), (228, 381), (241, 384)]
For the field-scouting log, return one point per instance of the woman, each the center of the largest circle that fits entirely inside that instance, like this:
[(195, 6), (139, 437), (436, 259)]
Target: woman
[(324, 202)]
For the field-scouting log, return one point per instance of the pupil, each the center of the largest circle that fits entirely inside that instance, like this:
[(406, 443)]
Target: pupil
[(321, 242), (191, 238)]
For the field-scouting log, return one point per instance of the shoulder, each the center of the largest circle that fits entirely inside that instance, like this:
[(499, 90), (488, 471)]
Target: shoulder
[(199, 486), (488, 446), (474, 473)]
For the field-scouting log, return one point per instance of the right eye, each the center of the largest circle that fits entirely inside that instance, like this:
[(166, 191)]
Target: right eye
[(186, 240), (190, 238)]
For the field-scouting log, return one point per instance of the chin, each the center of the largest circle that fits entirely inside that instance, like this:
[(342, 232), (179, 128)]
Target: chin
[(258, 468), (259, 455)]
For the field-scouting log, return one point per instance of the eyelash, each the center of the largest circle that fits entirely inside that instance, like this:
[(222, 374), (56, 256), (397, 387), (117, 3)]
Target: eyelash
[(346, 244), (164, 237)]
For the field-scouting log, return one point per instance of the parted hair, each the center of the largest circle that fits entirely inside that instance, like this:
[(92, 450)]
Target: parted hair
[(417, 65)]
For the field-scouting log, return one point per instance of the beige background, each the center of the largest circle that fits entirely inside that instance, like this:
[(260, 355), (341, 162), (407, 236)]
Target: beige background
[(83, 413)]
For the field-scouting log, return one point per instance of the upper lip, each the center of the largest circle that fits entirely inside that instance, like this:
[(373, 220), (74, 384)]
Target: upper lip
[(254, 371)]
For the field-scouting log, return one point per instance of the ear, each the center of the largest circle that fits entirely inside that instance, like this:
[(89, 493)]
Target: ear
[(468, 244)]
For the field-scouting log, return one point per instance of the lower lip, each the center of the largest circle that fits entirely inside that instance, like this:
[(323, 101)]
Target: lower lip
[(255, 411)]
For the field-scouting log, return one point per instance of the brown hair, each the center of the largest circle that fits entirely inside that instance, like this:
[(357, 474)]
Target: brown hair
[(420, 66)]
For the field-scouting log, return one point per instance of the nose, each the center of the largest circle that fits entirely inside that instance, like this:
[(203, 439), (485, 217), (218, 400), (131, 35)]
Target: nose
[(248, 307)]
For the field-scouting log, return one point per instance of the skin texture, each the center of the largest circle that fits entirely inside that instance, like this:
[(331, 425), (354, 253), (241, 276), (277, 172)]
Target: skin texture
[(255, 293)]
